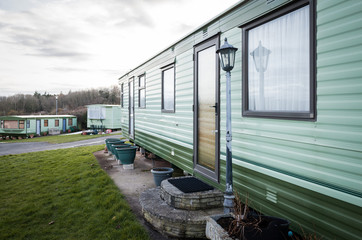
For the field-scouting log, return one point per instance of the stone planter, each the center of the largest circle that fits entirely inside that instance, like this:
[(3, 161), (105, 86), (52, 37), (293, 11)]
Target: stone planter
[(213, 230), (160, 174), (270, 228)]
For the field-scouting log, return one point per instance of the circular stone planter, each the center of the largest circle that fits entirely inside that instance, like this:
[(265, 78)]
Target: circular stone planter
[(269, 228), (160, 174)]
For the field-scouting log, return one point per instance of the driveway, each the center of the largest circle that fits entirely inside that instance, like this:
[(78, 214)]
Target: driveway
[(25, 147)]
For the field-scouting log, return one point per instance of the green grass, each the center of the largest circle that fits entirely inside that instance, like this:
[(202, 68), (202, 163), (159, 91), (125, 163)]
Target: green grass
[(60, 138), (67, 187)]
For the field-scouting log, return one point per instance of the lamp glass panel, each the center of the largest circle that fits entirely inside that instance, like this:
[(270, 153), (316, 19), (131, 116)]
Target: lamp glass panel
[(225, 59), (232, 57)]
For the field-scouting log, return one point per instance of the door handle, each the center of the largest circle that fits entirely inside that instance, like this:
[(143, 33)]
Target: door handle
[(215, 106)]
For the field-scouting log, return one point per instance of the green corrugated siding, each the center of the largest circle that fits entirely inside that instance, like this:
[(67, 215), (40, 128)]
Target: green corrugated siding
[(308, 172), (112, 120), (32, 128), (124, 109), (325, 155), (163, 133)]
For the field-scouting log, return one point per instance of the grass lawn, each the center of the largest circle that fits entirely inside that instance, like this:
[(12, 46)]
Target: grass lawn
[(60, 138), (62, 194)]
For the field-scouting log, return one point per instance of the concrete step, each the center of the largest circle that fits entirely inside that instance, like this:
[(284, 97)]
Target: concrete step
[(190, 201), (171, 221)]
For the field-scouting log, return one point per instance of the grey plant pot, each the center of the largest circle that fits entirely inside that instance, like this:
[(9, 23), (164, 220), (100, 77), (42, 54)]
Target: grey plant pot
[(160, 174)]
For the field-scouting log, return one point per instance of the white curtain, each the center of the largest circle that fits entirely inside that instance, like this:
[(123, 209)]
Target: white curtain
[(169, 89), (283, 84)]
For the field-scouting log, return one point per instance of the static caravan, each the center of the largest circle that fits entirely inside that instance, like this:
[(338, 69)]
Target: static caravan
[(296, 101), (33, 125), (104, 116)]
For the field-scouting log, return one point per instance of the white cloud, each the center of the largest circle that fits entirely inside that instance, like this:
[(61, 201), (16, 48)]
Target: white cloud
[(57, 45)]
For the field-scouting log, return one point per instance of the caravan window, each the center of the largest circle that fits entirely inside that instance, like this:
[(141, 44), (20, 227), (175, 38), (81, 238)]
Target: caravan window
[(21, 124), (56, 123), (11, 124), (142, 91), (70, 122), (45, 123), (278, 78), (168, 89)]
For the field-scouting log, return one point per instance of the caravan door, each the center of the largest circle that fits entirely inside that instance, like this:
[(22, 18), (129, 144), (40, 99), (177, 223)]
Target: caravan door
[(131, 108), (206, 109), (64, 125), (38, 127)]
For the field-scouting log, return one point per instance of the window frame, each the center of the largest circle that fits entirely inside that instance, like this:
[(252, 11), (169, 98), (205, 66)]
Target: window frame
[(308, 115), (56, 122), (163, 70), (27, 123), (70, 122), (46, 122), (141, 89)]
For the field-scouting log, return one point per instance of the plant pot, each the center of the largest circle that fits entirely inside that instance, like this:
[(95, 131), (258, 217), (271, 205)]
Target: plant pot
[(270, 228), (126, 154), (160, 174), (111, 141), (113, 147)]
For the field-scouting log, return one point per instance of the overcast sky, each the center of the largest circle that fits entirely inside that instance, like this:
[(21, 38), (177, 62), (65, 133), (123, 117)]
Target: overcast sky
[(62, 45)]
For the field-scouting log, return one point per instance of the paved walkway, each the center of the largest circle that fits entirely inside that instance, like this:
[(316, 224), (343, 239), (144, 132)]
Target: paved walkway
[(25, 147)]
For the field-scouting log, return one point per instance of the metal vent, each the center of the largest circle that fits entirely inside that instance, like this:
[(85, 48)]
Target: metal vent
[(204, 32), (271, 195)]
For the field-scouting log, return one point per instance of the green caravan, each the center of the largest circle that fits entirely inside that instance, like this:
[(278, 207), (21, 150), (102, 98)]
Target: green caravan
[(296, 102), (104, 116), (36, 125)]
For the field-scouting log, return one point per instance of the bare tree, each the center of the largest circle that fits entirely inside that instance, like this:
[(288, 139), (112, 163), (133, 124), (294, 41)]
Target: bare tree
[(67, 103)]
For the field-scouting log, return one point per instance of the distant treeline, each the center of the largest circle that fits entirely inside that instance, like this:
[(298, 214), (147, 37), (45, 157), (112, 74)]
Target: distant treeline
[(72, 103)]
